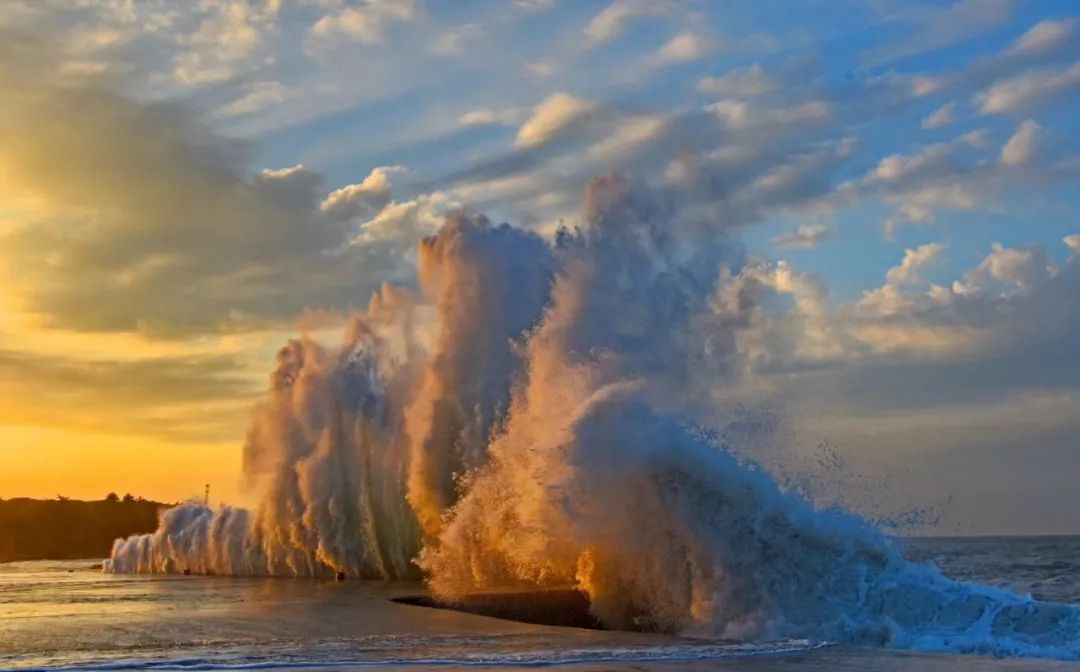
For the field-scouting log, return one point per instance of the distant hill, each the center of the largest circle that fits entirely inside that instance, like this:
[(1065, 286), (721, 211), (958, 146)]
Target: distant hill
[(69, 529)]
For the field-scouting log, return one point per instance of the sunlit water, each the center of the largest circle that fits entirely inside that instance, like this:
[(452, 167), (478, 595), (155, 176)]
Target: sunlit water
[(66, 615)]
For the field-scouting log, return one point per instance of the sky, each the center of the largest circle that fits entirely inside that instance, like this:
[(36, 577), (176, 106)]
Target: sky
[(186, 185)]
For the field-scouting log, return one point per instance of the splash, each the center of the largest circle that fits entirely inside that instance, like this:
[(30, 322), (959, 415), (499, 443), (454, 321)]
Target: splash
[(544, 415)]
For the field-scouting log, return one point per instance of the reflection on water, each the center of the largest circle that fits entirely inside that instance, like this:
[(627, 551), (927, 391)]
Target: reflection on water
[(52, 616), (63, 614)]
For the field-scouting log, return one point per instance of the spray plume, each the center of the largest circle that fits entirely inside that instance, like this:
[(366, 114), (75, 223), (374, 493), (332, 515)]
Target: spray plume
[(541, 415)]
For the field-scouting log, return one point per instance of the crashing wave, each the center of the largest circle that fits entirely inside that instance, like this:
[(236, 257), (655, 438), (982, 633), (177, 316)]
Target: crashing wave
[(543, 415)]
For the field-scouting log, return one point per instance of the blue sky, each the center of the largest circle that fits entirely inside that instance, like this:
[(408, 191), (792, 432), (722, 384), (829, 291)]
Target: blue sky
[(901, 174), (840, 44)]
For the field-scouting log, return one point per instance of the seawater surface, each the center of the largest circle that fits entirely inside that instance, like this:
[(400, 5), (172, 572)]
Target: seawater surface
[(65, 615)]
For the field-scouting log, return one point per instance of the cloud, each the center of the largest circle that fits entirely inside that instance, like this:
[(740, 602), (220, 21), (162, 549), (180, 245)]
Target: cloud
[(159, 380), (608, 24), (365, 23), (907, 273), (996, 329), (930, 159), (536, 5), (259, 96), (954, 175), (1026, 90), (452, 42), (1022, 146), (683, 48), (1045, 36), (227, 41), (541, 68), (91, 40), (940, 118), (1073, 242), (153, 397), (807, 236), (555, 114), (1021, 267), (745, 154), (940, 27), (970, 361), (747, 83), (741, 115), (366, 199), (629, 134), (511, 116), (155, 211)]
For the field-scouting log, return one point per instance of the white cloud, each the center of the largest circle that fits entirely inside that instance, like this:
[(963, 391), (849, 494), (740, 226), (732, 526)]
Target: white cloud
[(630, 134), (918, 206), (1014, 93), (1045, 36), (1021, 267), (958, 175), (918, 213), (228, 40), (747, 83), (741, 115), (1022, 146), (364, 23), (555, 114), (805, 333), (510, 116), (806, 236), (937, 157), (452, 42), (1073, 241), (940, 118), (289, 173), (363, 199), (907, 273), (408, 221), (259, 96), (608, 24), (923, 86), (936, 176), (682, 48)]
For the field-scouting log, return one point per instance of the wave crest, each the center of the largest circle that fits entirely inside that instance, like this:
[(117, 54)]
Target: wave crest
[(544, 415)]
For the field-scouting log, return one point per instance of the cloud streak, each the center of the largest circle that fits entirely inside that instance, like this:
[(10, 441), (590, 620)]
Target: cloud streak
[(807, 236)]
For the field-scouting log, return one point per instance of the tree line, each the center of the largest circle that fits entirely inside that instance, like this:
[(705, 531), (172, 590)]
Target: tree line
[(71, 529)]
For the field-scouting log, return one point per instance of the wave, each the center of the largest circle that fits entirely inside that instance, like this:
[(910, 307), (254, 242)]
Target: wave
[(544, 415)]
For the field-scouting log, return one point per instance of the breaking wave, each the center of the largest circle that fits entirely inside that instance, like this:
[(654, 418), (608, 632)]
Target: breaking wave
[(544, 414)]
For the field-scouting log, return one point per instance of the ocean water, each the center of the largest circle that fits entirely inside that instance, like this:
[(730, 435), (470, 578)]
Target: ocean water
[(66, 615)]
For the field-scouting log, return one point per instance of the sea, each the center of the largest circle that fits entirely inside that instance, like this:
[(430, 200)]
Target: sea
[(68, 615)]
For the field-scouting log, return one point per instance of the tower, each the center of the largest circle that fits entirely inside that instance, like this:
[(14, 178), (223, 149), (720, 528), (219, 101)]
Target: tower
[(206, 497)]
